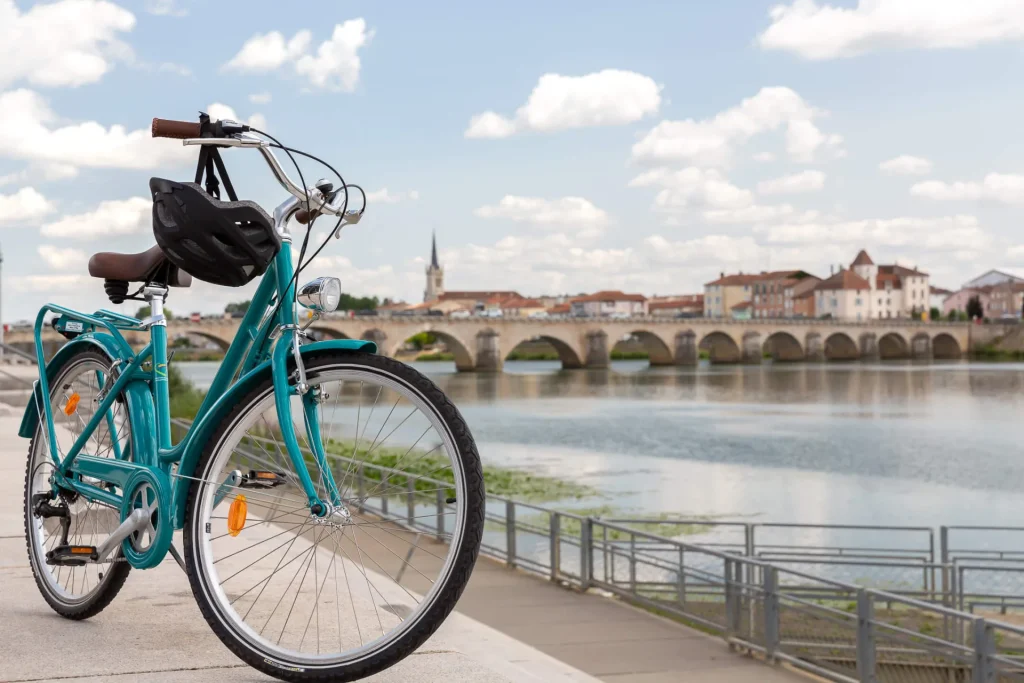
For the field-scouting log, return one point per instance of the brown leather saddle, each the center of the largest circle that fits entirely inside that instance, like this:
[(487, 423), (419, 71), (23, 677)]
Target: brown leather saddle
[(117, 270)]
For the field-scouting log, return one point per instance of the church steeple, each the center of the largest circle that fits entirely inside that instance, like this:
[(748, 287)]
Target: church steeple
[(435, 274)]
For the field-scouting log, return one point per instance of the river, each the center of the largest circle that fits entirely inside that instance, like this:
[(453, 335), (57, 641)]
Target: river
[(885, 443)]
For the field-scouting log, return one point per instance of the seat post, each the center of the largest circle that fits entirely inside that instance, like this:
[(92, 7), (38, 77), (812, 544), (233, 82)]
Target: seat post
[(155, 294)]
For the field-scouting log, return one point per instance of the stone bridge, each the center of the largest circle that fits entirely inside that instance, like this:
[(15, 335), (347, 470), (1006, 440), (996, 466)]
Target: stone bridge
[(482, 344)]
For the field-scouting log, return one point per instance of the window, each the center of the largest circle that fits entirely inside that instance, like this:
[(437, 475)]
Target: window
[(858, 303), (879, 301), (858, 316), (835, 303)]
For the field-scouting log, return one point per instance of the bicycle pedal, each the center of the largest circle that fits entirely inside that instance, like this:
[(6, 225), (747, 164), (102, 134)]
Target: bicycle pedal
[(72, 555), (261, 480)]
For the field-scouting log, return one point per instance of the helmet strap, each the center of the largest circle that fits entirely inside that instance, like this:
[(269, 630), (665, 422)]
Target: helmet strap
[(209, 157)]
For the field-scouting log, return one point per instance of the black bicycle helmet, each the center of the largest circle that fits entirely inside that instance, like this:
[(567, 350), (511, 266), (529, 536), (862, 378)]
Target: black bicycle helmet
[(226, 243)]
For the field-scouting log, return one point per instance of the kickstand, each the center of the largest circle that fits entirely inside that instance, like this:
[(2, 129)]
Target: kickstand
[(408, 556), (177, 557)]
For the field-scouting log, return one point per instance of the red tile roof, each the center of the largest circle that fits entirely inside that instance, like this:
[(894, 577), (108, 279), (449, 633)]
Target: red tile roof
[(521, 303), (862, 259), (610, 295), (560, 308), (743, 305), (479, 296), (844, 279), (902, 271), (694, 301), (891, 278)]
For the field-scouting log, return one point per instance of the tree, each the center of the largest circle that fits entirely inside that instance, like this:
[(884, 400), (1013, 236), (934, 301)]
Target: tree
[(238, 306), (935, 313), (974, 308), (953, 316), (422, 340), (145, 311)]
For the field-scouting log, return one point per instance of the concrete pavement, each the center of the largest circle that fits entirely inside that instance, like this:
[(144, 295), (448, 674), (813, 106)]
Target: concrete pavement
[(153, 630), (509, 626)]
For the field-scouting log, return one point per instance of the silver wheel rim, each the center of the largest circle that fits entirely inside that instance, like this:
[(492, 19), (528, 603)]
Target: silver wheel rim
[(91, 522), (280, 516)]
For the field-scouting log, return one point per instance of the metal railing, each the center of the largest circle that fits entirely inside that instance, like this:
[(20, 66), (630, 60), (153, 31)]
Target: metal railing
[(771, 597)]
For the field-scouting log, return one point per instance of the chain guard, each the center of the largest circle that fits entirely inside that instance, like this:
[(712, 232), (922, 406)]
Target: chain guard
[(146, 548)]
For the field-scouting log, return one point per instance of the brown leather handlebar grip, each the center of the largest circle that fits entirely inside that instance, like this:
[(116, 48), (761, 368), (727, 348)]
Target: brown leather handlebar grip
[(302, 216), (179, 130)]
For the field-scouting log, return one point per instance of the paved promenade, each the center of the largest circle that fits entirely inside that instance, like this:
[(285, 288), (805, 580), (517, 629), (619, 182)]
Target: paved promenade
[(509, 626)]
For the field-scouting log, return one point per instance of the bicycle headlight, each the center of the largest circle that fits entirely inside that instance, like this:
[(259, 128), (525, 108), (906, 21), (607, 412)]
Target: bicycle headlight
[(322, 294)]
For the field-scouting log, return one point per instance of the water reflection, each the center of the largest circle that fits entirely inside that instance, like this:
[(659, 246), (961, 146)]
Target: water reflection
[(882, 443)]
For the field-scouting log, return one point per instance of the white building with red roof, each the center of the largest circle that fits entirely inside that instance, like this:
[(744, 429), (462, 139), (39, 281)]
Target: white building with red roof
[(608, 303), (868, 291)]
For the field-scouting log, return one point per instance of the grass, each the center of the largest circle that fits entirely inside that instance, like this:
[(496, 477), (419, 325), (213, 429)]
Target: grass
[(629, 355), (185, 397), (660, 524), (991, 352), (435, 356), (532, 355)]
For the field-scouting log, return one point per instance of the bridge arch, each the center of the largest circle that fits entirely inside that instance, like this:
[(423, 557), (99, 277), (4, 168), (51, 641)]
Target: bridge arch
[(783, 347), (840, 346), (892, 346), (659, 352), (209, 336), (465, 358), (946, 347), (323, 332), (567, 353), (721, 347)]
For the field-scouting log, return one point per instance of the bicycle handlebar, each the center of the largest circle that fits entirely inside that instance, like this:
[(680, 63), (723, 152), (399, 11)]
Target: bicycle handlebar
[(178, 130)]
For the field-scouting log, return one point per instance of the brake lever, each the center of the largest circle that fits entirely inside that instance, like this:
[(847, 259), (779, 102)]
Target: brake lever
[(350, 218)]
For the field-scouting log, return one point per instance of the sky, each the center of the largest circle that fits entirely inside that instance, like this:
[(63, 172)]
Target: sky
[(553, 147)]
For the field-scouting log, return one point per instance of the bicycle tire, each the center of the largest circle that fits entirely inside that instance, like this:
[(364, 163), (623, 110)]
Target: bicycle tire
[(464, 559)]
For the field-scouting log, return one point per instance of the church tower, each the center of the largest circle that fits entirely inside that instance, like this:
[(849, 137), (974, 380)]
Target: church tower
[(435, 275)]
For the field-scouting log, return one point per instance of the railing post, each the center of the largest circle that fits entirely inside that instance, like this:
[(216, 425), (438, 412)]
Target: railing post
[(865, 637), (632, 563), (555, 520), (440, 514), (681, 580), (731, 602), (510, 533), (944, 544), (771, 611), (384, 501), (411, 499), (984, 648), (586, 553)]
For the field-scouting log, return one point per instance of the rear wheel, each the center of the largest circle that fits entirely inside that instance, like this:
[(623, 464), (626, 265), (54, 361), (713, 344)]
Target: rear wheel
[(339, 597), (75, 592)]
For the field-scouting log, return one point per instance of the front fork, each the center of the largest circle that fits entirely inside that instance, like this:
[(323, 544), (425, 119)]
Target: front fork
[(326, 497)]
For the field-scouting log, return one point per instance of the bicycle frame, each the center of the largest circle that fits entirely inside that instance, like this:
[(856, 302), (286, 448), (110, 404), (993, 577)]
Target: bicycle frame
[(251, 356)]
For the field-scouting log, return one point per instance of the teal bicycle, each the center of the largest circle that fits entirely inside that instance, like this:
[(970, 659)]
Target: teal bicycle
[(271, 484)]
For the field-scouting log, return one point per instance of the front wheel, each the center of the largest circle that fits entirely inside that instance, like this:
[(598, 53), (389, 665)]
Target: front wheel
[(346, 595)]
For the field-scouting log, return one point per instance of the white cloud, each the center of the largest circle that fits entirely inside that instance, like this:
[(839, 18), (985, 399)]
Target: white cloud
[(260, 98), (759, 213), (604, 98), (335, 65), (25, 205), (49, 283), (112, 217), (172, 68), (56, 171), (711, 142), (165, 8), (269, 51), (719, 250), (565, 212), (65, 43), (384, 196), (29, 129), (906, 165), (795, 183), (946, 233), (218, 112), (764, 157), (693, 187), (62, 259), (822, 31), (11, 178), (995, 187)]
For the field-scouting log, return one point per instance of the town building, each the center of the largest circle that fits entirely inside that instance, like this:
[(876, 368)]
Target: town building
[(728, 290), (521, 308), (957, 301), (991, 277), (1006, 300), (689, 305), (774, 292), (741, 311), (937, 297), (609, 303), (869, 291)]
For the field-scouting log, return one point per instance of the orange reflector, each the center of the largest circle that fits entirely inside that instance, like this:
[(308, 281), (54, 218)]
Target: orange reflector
[(82, 550), (72, 404), (266, 475), (236, 515)]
